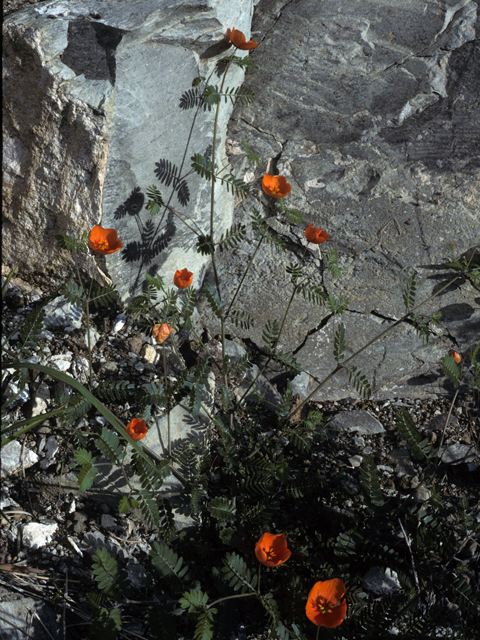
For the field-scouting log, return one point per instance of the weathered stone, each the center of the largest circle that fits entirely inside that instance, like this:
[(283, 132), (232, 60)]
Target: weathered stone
[(36, 535), (99, 105), (372, 115), (13, 456), (379, 582), (356, 420), (458, 453)]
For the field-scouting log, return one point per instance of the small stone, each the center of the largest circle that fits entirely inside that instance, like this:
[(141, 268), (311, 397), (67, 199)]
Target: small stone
[(457, 453), (357, 420), (61, 362), (438, 422), (381, 583), (11, 457), (36, 535), (120, 322), (355, 461), (359, 442), (149, 353), (300, 385), (422, 494), (108, 522)]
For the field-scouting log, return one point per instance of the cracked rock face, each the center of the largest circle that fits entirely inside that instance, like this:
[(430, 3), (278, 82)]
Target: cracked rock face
[(98, 106), (371, 112)]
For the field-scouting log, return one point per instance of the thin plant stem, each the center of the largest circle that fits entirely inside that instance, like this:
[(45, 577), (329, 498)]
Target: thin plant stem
[(278, 337), (259, 572), (447, 419), (89, 344), (239, 595), (237, 291), (169, 439), (318, 632), (368, 344)]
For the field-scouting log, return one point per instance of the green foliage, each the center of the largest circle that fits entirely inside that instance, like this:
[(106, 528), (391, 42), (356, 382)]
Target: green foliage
[(288, 361), (237, 95), (203, 166), (87, 472), (77, 407), (260, 227), (244, 62), (169, 564), (232, 237), (151, 474), (423, 327), (149, 508), (106, 625), (410, 291), (214, 300), (331, 262), (270, 334), (188, 307), (313, 293), (104, 296), (337, 306), (451, 369), (155, 200), (252, 158), (237, 574), (74, 245), (360, 382), (408, 429), (115, 391), (111, 580), (205, 246), (222, 509), (31, 330), (370, 483), (339, 343), (241, 318), (236, 185), (75, 294), (109, 444)]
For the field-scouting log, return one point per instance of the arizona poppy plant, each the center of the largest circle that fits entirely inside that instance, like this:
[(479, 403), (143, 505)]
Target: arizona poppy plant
[(316, 236), (238, 39), (161, 332), (271, 550), (275, 186), (104, 241), (136, 429), (183, 279), (325, 606)]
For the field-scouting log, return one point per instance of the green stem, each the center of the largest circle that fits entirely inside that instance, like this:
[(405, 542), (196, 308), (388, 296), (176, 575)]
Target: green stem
[(89, 343), (372, 341), (245, 272), (240, 595), (30, 423), (272, 353), (169, 439), (318, 631), (259, 571)]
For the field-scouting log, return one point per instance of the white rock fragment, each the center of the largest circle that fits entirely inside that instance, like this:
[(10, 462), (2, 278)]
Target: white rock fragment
[(12, 459), (36, 535)]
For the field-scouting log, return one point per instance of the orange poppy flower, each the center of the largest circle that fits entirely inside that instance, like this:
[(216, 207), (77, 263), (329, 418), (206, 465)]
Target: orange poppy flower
[(456, 356), (183, 279), (161, 332), (275, 186), (316, 236), (238, 40), (104, 241), (325, 606), (271, 550), (137, 429)]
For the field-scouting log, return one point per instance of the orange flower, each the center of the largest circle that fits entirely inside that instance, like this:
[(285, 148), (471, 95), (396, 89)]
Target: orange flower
[(136, 429), (183, 279), (271, 550), (161, 332), (275, 186), (104, 240), (316, 236), (456, 356), (325, 606), (238, 40)]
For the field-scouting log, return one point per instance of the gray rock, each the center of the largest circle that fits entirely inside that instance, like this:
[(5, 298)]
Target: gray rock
[(13, 456), (437, 423), (356, 420), (301, 385), (371, 116), (458, 453), (104, 132), (51, 449), (36, 535), (356, 460), (422, 494), (379, 582), (62, 314), (18, 622)]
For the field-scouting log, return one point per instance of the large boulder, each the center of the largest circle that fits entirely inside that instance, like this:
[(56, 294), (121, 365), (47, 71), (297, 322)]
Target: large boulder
[(371, 111), (98, 106)]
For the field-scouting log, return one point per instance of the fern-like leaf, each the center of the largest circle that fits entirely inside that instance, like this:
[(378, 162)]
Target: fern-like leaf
[(168, 563), (222, 509), (104, 296), (331, 262), (107, 573), (31, 330), (232, 237), (203, 166), (109, 444), (237, 573), (214, 300), (74, 245), (87, 472), (451, 369), (419, 446), (410, 291), (339, 343), (370, 482), (106, 625), (241, 319), (360, 381), (270, 334), (74, 293), (253, 159), (337, 306), (236, 185)]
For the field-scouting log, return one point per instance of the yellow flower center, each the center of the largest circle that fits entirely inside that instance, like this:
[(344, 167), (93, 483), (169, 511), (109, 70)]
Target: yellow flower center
[(270, 553), (323, 605), (102, 245), (275, 189)]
